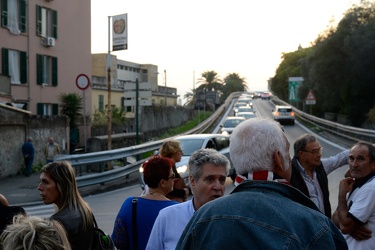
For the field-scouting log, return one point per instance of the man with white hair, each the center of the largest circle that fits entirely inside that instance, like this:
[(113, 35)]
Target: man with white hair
[(264, 212)]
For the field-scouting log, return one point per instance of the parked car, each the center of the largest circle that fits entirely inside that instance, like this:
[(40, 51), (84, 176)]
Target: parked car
[(283, 114), (191, 143), (230, 123)]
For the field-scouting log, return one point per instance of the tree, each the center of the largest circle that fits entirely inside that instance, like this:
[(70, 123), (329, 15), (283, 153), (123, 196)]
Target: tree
[(71, 106), (210, 81), (233, 83), (190, 98)]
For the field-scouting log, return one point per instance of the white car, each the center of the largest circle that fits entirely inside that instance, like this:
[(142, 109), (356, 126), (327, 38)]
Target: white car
[(230, 123), (191, 143), (283, 114)]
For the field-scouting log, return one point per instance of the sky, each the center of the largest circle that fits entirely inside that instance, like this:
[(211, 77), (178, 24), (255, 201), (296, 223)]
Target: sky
[(187, 38)]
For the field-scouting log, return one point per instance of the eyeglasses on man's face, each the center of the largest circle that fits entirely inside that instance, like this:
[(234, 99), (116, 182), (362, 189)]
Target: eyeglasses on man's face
[(316, 151)]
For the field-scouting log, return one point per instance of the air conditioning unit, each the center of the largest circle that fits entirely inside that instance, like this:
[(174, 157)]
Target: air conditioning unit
[(48, 41)]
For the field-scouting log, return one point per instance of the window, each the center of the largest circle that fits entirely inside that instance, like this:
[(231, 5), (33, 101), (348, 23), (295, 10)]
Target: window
[(101, 103), (47, 109), (13, 15), (46, 70), (46, 23), (14, 65)]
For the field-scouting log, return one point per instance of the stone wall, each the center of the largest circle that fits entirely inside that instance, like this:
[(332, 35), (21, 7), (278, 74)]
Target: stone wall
[(15, 126)]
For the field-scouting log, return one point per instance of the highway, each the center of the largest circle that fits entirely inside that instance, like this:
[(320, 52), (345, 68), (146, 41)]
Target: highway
[(106, 205)]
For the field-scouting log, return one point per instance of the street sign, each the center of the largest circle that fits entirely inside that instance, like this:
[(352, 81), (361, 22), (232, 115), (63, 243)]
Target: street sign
[(82, 81), (310, 98), (293, 86)]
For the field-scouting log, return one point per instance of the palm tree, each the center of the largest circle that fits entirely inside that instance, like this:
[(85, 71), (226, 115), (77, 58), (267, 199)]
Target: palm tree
[(190, 98), (233, 83), (71, 106), (210, 81)]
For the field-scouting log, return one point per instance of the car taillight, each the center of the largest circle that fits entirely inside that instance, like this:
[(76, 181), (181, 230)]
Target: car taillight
[(277, 114), (292, 113)]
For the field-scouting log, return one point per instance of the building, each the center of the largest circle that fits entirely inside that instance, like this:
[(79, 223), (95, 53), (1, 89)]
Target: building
[(122, 73), (45, 45)]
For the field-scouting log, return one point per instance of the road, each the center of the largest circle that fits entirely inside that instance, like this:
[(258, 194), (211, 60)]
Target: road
[(106, 205)]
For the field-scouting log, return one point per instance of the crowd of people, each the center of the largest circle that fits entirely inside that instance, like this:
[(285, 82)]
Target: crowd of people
[(279, 202)]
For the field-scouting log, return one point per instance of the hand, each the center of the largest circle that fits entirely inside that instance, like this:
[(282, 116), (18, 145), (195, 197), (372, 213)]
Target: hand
[(362, 233), (346, 185)]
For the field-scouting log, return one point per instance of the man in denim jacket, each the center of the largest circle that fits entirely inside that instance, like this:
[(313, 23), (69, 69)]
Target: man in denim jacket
[(261, 213)]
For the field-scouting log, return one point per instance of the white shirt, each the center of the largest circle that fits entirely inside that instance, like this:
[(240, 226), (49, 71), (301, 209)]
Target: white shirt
[(361, 204), (169, 225)]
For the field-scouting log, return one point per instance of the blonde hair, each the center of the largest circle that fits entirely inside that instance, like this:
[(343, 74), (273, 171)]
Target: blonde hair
[(34, 233), (169, 148)]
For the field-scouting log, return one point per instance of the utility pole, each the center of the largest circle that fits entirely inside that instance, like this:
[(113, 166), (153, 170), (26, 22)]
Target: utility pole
[(109, 132), (165, 89)]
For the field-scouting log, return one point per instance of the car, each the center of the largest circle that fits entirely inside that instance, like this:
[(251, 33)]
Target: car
[(266, 95), (247, 115), (191, 143), (248, 101), (238, 105), (257, 94), (230, 123), (283, 114), (244, 109)]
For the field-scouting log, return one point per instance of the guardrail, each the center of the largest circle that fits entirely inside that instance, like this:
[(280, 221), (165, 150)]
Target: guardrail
[(347, 132), (79, 161)]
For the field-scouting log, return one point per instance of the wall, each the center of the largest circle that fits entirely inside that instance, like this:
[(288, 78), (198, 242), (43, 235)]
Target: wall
[(15, 126)]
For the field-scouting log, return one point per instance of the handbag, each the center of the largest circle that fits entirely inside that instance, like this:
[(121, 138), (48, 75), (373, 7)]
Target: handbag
[(101, 240)]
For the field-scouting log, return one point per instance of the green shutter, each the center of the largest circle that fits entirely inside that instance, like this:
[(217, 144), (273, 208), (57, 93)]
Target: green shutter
[(4, 13), (39, 108), (39, 69), (5, 57), (23, 67), (54, 23), (38, 20), (22, 21), (54, 71), (55, 109)]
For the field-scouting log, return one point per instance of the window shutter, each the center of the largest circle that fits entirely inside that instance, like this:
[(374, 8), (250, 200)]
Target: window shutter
[(22, 21), (4, 13), (5, 57), (54, 71), (54, 23), (39, 69), (23, 67), (38, 20), (55, 109), (39, 108)]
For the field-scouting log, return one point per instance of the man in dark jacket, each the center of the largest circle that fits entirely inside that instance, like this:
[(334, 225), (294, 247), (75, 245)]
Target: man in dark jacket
[(309, 171), (28, 155)]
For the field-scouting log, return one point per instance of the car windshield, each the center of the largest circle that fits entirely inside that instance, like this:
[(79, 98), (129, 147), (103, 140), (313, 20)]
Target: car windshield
[(232, 123), (189, 146), (246, 115)]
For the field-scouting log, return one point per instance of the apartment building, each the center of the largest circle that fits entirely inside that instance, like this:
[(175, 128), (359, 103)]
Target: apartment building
[(122, 73), (45, 45)]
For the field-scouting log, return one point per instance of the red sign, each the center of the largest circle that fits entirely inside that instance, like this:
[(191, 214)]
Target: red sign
[(310, 98), (82, 81)]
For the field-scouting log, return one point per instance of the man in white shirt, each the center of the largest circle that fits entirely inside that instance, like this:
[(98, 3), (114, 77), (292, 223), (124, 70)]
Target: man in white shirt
[(208, 170), (355, 214)]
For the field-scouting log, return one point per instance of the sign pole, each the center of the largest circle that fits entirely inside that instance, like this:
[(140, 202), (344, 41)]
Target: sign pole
[(84, 120), (83, 82), (109, 125)]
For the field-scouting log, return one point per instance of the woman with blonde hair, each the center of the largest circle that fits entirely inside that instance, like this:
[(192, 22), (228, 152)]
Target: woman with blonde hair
[(58, 186), (172, 150), (34, 233)]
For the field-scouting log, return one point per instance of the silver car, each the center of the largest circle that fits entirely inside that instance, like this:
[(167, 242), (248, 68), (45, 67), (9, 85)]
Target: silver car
[(283, 114), (230, 123)]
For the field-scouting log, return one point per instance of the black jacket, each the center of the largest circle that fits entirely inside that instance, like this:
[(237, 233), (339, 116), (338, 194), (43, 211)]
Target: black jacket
[(298, 182)]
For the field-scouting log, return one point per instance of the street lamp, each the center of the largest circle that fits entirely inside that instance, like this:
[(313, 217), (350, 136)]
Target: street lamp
[(165, 87)]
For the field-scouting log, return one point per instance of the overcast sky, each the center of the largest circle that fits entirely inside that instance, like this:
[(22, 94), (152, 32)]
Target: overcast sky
[(186, 38)]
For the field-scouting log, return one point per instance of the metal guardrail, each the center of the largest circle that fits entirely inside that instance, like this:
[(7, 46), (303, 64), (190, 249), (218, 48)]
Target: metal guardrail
[(347, 132), (79, 161)]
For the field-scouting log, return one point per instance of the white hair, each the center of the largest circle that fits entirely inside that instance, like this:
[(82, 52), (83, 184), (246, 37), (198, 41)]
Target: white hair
[(254, 143)]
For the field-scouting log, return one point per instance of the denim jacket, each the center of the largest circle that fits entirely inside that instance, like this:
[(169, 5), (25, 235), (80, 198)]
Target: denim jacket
[(261, 215)]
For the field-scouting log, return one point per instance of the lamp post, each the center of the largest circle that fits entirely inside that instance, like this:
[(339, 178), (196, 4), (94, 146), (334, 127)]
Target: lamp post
[(165, 86)]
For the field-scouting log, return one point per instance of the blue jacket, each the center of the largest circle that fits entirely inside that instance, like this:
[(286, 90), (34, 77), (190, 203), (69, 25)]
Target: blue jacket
[(261, 215), (28, 150)]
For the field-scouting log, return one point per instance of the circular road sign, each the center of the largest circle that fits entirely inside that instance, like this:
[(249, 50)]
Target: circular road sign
[(82, 81)]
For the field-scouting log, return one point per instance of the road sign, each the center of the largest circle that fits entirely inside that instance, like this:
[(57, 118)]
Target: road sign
[(293, 86), (82, 81), (310, 98)]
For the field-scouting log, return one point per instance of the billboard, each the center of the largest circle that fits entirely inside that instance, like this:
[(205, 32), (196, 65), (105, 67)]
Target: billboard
[(120, 32)]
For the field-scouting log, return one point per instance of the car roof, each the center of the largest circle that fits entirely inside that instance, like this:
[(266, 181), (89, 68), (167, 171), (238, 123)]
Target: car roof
[(198, 136), (279, 106), (234, 118)]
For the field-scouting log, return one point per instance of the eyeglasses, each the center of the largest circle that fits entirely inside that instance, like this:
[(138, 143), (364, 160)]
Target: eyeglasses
[(314, 151), (359, 159), (172, 176)]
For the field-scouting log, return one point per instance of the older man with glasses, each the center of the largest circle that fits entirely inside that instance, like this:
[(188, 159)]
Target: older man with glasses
[(309, 170)]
